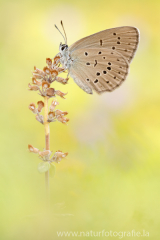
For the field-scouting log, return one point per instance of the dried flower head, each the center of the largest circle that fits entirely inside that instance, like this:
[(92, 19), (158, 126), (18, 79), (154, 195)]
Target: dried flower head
[(45, 153), (39, 71), (40, 105), (54, 73), (46, 70), (33, 88), (62, 80), (45, 85), (62, 119), (53, 105), (49, 61), (36, 82), (61, 94), (51, 116), (33, 149), (60, 113), (58, 156), (32, 107), (50, 92), (56, 60)]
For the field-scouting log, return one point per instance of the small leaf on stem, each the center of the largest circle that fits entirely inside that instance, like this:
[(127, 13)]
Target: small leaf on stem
[(43, 167)]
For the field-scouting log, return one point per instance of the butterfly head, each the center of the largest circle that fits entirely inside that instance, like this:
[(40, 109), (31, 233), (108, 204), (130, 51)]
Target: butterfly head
[(63, 48)]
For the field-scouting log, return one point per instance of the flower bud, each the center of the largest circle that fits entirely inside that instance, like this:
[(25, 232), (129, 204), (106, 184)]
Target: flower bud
[(33, 88), (61, 94), (53, 105), (33, 149), (33, 108), (40, 105), (50, 92)]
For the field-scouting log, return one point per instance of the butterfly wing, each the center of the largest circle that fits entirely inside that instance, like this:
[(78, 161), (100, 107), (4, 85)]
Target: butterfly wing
[(122, 39), (100, 69)]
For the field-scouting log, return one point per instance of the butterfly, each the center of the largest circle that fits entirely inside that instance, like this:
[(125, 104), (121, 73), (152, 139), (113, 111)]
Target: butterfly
[(100, 62)]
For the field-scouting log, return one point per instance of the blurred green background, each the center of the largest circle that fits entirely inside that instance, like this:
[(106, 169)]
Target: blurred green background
[(111, 177)]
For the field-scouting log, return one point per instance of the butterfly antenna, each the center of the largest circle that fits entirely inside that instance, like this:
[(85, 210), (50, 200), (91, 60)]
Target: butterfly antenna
[(64, 32), (60, 33)]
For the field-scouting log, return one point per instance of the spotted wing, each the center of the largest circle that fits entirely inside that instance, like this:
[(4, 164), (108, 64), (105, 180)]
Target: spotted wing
[(122, 39), (98, 69)]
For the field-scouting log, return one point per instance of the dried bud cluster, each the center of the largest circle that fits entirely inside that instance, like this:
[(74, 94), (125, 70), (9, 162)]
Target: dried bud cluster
[(57, 114), (41, 82), (45, 155), (37, 110), (43, 78), (57, 157)]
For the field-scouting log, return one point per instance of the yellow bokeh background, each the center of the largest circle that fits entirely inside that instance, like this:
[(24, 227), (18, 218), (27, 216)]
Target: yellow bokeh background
[(111, 177)]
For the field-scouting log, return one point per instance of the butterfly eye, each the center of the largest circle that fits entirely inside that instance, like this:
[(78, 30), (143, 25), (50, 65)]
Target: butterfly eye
[(64, 46)]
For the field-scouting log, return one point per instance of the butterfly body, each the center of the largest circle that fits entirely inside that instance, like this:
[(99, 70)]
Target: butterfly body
[(100, 61)]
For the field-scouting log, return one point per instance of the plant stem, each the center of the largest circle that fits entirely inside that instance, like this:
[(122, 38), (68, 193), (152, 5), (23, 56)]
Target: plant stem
[(46, 127)]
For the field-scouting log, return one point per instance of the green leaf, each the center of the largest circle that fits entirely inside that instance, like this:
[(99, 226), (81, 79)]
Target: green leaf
[(43, 167), (52, 170)]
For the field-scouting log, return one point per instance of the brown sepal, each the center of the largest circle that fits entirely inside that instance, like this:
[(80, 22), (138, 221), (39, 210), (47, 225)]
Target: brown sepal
[(46, 70), (33, 149), (40, 105), (53, 105), (50, 92), (49, 61), (33, 108), (45, 84)]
